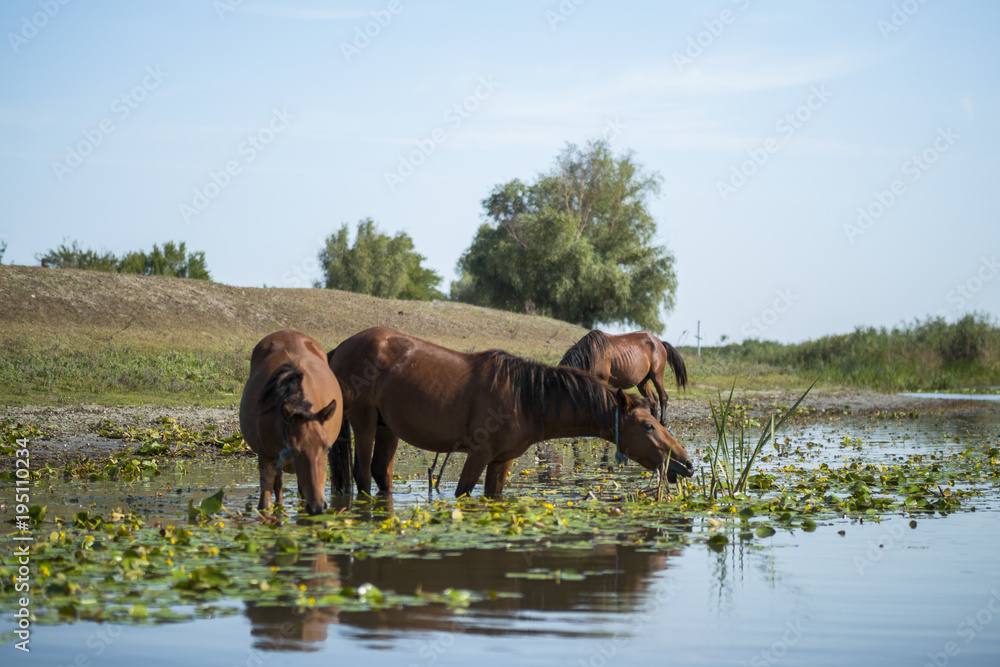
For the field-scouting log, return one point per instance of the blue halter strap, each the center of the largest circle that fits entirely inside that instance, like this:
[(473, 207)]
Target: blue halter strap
[(620, 458)]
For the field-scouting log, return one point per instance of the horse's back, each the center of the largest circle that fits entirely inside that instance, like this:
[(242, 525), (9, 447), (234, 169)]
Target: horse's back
[(420, 389), (271, 353)]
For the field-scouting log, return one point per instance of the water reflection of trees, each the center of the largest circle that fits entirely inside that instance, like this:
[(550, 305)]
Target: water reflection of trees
[(618, 580), (741, 561)]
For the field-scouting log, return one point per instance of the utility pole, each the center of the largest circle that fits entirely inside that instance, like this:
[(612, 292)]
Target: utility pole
[(698, 338)]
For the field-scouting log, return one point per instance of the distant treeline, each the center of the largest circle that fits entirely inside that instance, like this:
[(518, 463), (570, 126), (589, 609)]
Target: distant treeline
[(172, 260), (933, 354)]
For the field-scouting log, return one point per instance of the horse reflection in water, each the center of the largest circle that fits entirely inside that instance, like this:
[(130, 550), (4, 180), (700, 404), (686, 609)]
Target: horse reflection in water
[(279, 628), (622, 579)]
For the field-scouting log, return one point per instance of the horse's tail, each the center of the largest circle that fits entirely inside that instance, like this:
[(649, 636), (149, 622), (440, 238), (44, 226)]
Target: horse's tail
[(676, 362), (340, 452)]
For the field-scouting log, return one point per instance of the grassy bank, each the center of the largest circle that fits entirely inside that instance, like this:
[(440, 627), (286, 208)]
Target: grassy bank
[(72, 336), (87, 337), (928, 355)]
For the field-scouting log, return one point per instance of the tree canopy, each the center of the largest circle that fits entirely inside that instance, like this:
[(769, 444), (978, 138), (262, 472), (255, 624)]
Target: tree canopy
[(377, 264), (577, 243), (172, 260)]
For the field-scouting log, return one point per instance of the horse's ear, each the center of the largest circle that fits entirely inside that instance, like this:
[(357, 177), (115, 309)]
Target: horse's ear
[(327, 412), (621, 398)]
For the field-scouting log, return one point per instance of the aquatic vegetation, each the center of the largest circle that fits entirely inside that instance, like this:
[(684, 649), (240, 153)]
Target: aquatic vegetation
[(172, 439), (119, 565), (731, 460), (11, 432)]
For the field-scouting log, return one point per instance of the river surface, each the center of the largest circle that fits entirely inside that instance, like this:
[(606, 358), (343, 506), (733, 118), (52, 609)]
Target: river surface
[(909, 590)]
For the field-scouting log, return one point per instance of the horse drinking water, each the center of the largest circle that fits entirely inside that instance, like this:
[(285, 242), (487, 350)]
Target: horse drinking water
[(490, 405), (629, 360), (289, 380)]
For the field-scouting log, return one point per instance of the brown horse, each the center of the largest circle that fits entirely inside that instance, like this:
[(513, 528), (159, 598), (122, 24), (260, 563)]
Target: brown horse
[(490, 405), (629, 360), (288, 377)]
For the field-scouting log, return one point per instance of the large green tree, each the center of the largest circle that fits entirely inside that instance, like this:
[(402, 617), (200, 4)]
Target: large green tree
[(172, 260), (377, 264), (577, 243)]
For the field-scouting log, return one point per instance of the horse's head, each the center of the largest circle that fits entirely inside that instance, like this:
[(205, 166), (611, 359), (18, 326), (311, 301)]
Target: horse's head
[(644, 440), (307, 443)]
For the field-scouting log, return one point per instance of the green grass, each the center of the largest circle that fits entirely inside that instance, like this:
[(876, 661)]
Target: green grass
[(929, 355), (117, 374), (90, 337)]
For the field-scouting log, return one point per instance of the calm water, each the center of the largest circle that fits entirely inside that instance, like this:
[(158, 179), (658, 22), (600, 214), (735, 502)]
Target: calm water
[(879, 593), (965, 397)]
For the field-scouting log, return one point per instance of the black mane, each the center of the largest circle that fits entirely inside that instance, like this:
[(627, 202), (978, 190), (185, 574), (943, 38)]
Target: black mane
[(284, 387), (537, 386), (586, 351)]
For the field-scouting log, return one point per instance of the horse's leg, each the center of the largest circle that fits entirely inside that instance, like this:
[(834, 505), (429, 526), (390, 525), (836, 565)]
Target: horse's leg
[(496, 476), (437, 484), (340, 461), (267, 471), (277, 487), (658, 383), (384, 458), (647, 393), (430, 474), (364, 424), (473, 468)]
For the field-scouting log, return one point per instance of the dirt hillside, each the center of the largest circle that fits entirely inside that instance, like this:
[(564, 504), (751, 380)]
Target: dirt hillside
[(59, 307)]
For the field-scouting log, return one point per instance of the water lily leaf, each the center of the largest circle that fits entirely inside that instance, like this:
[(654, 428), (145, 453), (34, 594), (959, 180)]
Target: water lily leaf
[(286, 543), (717, 542), (212, 504), (764, 531)]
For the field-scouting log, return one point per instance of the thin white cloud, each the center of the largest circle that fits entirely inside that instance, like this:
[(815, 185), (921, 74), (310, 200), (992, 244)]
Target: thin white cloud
[(739, 73), (303, 14)]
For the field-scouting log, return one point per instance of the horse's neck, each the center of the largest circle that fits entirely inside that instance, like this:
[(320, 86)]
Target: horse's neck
[(564, 422)]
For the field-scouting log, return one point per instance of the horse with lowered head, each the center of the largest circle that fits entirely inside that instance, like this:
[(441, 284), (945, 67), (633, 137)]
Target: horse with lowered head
[(629, 360), (490, 405), (290, 415)]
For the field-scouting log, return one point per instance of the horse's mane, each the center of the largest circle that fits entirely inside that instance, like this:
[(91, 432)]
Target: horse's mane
[(585, 352), (284, 387), (537, 386)]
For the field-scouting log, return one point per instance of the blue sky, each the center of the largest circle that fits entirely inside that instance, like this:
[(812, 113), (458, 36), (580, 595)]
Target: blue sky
[(825, 164)]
